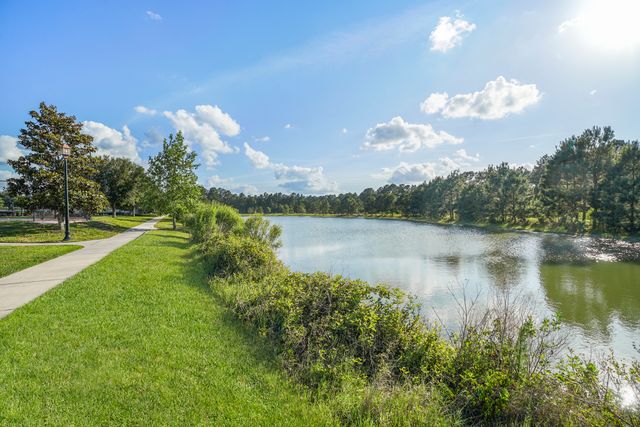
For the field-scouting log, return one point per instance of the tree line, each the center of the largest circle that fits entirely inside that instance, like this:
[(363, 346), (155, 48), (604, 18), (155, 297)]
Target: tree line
[(96, 183), (590, 183)]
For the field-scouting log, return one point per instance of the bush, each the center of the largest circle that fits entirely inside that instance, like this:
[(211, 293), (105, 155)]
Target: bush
[(209, 219), (234, 255), (330, 328)]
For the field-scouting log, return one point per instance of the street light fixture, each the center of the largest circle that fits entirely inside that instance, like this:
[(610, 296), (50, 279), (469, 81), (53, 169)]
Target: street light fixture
[(65, 151)]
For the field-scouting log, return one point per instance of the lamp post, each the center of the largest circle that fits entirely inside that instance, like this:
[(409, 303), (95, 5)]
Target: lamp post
[(66, 152)]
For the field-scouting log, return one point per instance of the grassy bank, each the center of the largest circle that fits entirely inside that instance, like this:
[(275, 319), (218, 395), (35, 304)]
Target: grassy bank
[(139, 338), (100, 227), (16, 258)]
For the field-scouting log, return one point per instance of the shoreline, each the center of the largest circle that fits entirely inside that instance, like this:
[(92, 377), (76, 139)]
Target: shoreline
[(482, 226)]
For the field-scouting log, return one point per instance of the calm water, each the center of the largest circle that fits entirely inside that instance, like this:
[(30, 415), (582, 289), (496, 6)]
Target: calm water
[(594, 284)]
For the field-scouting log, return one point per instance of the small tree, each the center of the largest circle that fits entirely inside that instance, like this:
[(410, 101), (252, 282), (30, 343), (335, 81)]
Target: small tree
[(118, 179), (41, 173), (172, 173)]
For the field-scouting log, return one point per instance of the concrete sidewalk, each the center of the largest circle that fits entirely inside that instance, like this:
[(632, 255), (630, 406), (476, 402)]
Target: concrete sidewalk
[(23, 286)]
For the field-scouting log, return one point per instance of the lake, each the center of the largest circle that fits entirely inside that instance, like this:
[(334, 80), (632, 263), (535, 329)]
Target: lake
[(593, 284)]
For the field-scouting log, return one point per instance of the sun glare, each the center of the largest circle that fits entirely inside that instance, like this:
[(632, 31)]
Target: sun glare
[(612, 25)]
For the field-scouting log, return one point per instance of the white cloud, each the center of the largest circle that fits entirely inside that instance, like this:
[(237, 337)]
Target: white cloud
[(449, 33), (9, 148), (593, 92), (112, 142), (141, 109), (568, 24), (227, 183), (202, 128), (218, 119), (434, 103), (405, 173), (406, 137), (344, 130), (304, 179), (299, 179), (153, 16), (498, 99), (258, 158), (262, 139), (288, 126), (462, 154), (416, 173)]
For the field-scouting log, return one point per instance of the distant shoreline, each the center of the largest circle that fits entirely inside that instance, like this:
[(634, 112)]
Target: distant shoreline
[(483, 226)]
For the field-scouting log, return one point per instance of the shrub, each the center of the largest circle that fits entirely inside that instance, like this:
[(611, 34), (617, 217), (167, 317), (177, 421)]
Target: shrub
[(262, 230), (330, 328), (237, 254)]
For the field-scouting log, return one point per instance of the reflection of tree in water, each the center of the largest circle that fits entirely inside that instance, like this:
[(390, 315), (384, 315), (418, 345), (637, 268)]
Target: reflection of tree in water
[(590, 295), (560, 250), (505, 270), (504, 261)]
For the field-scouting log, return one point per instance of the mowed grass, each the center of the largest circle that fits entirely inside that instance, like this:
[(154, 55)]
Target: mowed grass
[(16, 258), (138, 338), (99, 227)]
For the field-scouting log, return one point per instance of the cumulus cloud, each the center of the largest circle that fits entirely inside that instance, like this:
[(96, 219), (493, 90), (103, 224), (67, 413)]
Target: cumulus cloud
[(203, 127), (406, 137), (416, 173), (288, 126), (220, 120), (304, 179), (293, 178), (216, 181), (258, 158), (462, 154), (498, 99), (449, 33), (141, 109), (111, 141), (9, 148), (153, 16)]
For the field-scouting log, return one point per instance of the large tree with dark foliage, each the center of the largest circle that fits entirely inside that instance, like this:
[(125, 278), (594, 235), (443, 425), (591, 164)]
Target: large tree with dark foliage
[(39, 184), (120, 180)]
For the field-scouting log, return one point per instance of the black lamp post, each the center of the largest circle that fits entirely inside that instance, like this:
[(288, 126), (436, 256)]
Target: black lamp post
[(66, 152)]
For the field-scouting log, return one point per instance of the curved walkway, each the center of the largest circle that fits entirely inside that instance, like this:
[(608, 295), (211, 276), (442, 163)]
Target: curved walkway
[(26, 285)]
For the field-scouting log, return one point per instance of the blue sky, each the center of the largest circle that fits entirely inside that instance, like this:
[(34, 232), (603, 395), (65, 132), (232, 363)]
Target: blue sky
[(325, 97)]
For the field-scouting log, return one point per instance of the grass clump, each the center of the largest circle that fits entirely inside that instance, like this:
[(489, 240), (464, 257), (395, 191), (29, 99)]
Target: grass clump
[(366, 349), (16, 258)]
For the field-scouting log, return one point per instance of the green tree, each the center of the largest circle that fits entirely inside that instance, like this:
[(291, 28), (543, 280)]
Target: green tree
[(119, 178), (172, 173), (40, 171)]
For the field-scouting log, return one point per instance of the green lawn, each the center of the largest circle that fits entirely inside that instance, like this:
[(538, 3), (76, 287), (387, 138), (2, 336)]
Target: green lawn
[(16, 258), (99, 227), (138, 338)]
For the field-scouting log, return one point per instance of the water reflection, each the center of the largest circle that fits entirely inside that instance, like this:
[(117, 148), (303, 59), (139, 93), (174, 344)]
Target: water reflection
[(591, 296), (600, 301)]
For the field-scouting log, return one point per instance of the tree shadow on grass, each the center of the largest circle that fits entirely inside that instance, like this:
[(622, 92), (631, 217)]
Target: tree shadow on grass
[(21, 228)]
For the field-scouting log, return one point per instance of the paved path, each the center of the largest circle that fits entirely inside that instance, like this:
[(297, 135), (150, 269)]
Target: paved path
[(23, 286)]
